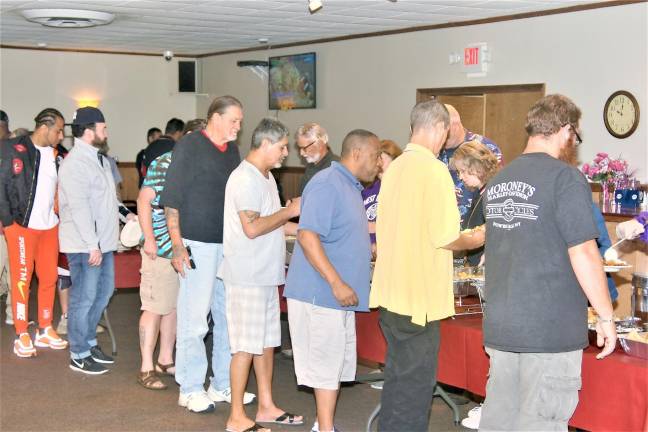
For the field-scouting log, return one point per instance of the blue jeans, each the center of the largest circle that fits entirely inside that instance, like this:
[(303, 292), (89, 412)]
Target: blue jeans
[(92, 287), (200, 292)]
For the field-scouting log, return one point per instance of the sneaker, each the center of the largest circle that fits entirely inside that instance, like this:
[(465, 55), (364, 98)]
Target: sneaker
[(378, 385), (315, 428), (61, 328), (87, 366), (49, 339), (99, 356), (226, 395), (197, 402), (473, 419), (23, 346), (288, 352)]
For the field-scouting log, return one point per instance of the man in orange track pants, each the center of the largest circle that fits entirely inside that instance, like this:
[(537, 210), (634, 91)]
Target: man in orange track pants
[(28, 174)]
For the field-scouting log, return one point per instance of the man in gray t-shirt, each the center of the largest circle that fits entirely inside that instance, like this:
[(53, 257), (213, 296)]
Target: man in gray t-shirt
[(542, 266)]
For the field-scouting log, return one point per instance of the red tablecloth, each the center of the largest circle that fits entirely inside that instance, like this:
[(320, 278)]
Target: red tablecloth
[(614, 396), (127, 269)]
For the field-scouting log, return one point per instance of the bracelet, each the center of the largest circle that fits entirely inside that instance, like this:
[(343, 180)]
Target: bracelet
[(605, 320)]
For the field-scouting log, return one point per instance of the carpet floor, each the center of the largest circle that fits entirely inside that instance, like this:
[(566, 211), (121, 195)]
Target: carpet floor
[(43, 394)]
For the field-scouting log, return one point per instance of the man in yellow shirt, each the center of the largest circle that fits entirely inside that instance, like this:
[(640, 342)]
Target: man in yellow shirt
[(418, 227)]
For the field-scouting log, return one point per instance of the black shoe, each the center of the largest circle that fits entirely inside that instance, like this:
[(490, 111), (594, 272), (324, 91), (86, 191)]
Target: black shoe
[(87, 366), (99, 356)]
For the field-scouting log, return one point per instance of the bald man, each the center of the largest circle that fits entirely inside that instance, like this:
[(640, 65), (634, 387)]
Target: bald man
[(457, 136)]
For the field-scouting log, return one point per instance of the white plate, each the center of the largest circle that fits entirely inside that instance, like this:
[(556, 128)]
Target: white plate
[(616, 268)]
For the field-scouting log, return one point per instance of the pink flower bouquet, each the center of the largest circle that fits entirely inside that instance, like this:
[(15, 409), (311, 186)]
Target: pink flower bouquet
[(604, 169)]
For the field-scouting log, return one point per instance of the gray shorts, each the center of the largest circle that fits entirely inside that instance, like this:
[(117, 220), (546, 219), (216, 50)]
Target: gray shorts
[(531, 391), (323, 343)]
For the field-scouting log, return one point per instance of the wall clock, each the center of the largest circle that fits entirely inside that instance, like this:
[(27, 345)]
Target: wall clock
[(621, 114)]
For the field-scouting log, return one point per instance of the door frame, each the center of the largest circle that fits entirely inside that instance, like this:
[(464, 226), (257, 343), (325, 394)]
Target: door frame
[(425, 93)]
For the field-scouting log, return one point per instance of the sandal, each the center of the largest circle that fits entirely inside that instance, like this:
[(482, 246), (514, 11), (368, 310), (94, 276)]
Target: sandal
[(151, 381), (286, 419), (163, 368), (254, 428)]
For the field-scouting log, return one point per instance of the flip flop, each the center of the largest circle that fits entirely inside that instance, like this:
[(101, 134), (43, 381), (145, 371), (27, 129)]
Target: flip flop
[(286, 419), (254, 428), (164, 368)]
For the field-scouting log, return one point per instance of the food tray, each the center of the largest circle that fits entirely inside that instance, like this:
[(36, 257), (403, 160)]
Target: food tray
[(634, 348)]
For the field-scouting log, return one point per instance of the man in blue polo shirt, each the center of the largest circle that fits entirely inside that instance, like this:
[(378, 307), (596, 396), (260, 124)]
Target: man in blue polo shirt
[(328, 279)]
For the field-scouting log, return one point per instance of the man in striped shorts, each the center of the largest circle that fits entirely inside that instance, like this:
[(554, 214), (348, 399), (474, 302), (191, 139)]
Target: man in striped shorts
[(254, 251)]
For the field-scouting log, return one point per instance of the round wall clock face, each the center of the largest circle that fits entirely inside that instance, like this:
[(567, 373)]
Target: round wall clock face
[(621, 114)]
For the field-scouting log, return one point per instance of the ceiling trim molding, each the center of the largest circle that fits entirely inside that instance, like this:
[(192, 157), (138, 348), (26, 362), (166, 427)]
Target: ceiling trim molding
[(568, 9), (519, 16), (93, 51)]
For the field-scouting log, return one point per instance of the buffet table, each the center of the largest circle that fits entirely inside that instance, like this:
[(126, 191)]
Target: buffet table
[(614, 396)]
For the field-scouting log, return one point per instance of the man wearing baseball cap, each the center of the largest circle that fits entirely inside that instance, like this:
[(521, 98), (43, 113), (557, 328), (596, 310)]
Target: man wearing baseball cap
[(88, 235)]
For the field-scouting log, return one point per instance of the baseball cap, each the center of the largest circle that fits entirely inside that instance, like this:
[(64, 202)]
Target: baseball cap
[(87, 115)]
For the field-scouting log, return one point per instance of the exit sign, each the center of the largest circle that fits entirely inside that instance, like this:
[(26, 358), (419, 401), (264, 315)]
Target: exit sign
[(475, 59)]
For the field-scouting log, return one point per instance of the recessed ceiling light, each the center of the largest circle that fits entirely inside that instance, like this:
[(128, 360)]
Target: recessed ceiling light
[(42, 44), (68, 18)]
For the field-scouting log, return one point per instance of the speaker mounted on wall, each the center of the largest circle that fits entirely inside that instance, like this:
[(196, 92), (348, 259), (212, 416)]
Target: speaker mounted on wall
[(187, 76)]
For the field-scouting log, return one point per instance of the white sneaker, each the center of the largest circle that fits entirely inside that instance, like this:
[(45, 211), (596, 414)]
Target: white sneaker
[(197, 402), (473, 419), (226, 395)]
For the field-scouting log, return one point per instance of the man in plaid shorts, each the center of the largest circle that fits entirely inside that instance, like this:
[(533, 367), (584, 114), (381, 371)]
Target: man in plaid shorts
[(254, 251)]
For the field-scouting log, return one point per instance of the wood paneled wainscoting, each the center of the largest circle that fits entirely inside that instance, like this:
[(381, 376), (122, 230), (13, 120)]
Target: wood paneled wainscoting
[(287, 177)]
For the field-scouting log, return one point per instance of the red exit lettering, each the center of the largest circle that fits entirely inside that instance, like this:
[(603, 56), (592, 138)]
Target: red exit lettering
[(471, 56)]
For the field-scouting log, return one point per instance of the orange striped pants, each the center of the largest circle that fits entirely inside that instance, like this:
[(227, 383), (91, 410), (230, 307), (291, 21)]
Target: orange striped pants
[(30, 250)]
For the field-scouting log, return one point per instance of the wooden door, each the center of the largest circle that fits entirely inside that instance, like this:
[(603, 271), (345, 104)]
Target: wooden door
[(497, 112)]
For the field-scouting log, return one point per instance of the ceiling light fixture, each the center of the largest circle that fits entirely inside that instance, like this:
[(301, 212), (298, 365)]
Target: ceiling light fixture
[(314, 5), (68, 18)]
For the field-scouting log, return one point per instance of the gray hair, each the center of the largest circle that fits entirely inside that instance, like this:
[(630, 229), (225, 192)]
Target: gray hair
[(270, 129), (313, 131), (427, 114), (357, 138)]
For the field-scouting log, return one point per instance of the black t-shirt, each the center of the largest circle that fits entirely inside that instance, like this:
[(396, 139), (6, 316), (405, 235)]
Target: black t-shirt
[(195, 186), (474, 218), (536, 209)]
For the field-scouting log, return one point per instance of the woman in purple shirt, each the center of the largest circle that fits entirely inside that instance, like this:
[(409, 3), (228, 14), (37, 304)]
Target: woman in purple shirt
[(389, 151)]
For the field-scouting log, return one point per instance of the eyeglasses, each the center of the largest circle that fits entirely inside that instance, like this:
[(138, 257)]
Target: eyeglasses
[(306, 146), (579, 140)]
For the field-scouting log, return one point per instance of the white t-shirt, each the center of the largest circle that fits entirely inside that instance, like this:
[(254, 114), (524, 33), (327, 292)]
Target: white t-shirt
[(246, 261), (42, 216)]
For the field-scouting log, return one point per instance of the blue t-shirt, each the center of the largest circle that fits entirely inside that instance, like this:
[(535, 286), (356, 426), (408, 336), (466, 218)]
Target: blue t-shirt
[(155, 176), (332, 207), (465, 196)]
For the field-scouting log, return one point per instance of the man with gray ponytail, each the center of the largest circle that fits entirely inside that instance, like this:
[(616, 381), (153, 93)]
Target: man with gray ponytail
[(253, 266)]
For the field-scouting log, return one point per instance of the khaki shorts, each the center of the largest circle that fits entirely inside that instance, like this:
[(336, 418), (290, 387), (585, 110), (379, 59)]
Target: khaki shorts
[(252, 318), (323, 343), (159, 285)]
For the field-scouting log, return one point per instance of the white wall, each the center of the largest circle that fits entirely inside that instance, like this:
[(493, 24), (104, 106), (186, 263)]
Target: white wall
[(371, 83), (135, 92)]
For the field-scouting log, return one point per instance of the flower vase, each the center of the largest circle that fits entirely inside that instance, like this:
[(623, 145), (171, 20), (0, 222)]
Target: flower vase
[(606, 198)]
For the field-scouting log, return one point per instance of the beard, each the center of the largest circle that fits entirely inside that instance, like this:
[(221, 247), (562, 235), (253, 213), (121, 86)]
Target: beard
[(313, 159), (101, 144), (569, 155)]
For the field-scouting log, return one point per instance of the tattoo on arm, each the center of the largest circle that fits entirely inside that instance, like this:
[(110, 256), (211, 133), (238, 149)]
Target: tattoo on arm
[(172, 218), (251, 215)]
